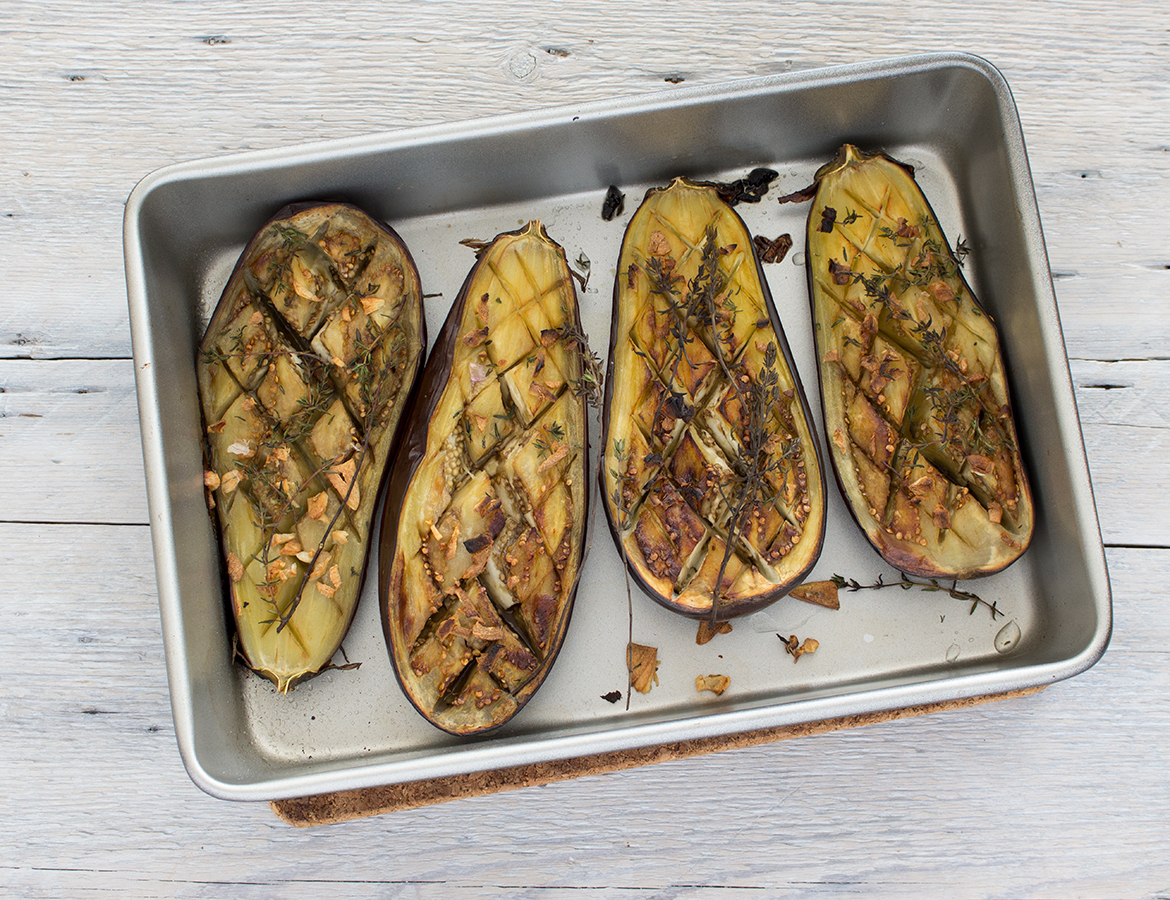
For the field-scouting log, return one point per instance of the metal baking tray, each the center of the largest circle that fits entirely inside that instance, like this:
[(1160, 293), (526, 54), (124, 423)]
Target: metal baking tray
[(950, 115)]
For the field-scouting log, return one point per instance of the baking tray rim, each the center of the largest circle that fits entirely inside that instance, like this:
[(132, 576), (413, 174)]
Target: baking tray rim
[(523, 749)]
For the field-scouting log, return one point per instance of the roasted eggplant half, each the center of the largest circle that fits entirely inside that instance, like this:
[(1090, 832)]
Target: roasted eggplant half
[(712, 481), (484, 525), (913, 385), (304, 374)]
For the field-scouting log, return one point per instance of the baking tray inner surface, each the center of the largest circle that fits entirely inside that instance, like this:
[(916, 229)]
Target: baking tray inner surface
[(882, 648)]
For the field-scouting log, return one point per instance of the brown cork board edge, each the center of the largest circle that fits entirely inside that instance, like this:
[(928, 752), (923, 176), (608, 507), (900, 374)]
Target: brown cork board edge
[(342, 806)]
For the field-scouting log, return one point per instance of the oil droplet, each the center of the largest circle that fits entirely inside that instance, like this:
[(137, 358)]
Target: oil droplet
[(868, 638), (953, 652), (1008, 638)]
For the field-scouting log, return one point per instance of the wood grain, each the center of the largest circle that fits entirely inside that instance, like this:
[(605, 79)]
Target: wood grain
[(915, 806), (76, 453), (343, 806), (72, 451), (1062, 794)]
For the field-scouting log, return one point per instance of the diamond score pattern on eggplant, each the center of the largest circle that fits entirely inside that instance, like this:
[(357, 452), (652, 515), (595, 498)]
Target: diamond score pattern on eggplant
[(914, 389), (687, 376), (489, 542), (303, 377)]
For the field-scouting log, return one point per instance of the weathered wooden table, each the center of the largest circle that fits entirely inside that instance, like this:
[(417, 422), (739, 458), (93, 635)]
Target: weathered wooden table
[(1061, 794)]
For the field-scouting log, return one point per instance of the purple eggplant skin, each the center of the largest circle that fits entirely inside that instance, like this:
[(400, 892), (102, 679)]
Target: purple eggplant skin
[(665, 514), (304, 371), (913, 383), (483, 530)]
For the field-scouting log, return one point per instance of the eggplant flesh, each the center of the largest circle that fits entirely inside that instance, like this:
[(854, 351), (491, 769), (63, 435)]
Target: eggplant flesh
[(913, 383), (711, 476), (484, 527), (304, 372)]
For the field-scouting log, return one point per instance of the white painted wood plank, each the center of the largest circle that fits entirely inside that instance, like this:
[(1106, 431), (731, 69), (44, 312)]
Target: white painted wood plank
[(1125, 413), (108, 95), (1063, 794), (1057, 795), (914, 806), (70, 449)]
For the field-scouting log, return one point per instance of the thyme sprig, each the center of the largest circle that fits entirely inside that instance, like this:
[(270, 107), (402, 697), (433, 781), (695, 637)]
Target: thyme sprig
[(624, 515), (706, 303), (907, 583), (748, 485), (374, 380), (589, 383), (375, 403)]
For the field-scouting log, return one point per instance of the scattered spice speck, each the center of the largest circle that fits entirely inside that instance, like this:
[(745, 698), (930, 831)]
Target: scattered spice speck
[(748, 189), (772, 251)]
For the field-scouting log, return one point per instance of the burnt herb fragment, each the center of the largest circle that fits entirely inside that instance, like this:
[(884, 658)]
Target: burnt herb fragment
[(643, 664), (613, 204), (582, 270), (828, 217), (794, 648), (707, 631), (821, 593), (748, 189), (772, 250), (716, 684), (800, 196)]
